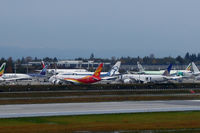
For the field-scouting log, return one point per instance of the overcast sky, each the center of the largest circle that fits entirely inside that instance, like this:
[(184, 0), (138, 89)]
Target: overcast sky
[(76, 28)]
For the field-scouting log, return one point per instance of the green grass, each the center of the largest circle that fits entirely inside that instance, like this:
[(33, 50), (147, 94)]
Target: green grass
[(108, 122), (96, 99)]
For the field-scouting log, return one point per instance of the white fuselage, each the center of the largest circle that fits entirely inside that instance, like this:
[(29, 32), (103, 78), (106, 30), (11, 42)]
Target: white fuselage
[(15, 76), (172, 72), (57, 71), (144, 78), (103, 74)]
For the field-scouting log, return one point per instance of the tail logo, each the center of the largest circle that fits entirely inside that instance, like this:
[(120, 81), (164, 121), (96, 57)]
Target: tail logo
[(98, 70), (114, 70), (189, 67), (2, 69), (43, 72)]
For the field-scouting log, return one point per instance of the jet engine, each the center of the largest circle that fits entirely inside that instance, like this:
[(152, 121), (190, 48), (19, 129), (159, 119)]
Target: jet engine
[(127, 81)]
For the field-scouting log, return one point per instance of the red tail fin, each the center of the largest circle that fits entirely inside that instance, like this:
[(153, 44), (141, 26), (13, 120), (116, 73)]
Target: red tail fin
[(98, 70), (43, 65)]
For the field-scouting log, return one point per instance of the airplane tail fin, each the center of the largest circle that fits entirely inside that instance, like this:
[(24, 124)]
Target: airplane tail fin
[(167, 71), (2, 69), (114, 69), (98, 70), (44, 70), (188, 68), (194, 67), (141, 69), (43, 65)]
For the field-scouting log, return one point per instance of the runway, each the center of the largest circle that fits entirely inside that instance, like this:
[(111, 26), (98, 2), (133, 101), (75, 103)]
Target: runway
[(58, 109)]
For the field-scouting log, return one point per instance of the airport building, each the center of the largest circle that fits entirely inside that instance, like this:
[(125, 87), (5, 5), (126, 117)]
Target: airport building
[(73, 64)]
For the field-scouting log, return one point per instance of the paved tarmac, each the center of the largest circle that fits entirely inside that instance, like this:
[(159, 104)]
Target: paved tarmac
[(58, 109)]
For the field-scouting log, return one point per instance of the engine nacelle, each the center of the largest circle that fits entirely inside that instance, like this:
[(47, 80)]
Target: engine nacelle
[(57, 82), (51, 72), (127, 81), (54, 80)]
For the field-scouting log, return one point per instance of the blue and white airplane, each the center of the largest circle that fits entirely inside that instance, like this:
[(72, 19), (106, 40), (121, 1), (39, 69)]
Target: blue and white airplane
[(20, 76), (129, 78)]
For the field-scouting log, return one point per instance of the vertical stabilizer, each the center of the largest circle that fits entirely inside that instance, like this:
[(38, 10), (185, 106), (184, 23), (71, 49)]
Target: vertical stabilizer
[(188, 68), (114, 69), (195, 69), (2, 69), (98, 70), (44, 70), (167, 71), (141, 69), (43, 65)]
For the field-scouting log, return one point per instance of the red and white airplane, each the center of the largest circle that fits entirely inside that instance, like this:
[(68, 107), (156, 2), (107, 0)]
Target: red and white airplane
[(78, 79)]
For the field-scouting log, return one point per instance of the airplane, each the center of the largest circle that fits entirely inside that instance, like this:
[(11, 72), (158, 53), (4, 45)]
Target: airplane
[(105, 76), (77, 79), (129, 78), (17, 76), (58, 71), (114, 71), (185, 73)]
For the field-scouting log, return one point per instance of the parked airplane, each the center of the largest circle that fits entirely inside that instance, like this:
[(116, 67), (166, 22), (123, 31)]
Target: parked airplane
[(114, 71), (58, 71), (17, 76), (77, 79), (128, 78), (185, 73), (105, 76)]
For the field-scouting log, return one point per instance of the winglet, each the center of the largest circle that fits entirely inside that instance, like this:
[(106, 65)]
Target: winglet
[(98, 70), (167, 71), (2, 69)]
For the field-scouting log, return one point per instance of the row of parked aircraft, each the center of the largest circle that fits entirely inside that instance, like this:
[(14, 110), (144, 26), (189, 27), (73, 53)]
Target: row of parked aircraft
[(60, 76), (82, 76)]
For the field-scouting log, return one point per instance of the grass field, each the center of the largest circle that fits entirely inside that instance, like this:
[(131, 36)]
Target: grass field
[(95, 99), (96, 96), (181, 121)]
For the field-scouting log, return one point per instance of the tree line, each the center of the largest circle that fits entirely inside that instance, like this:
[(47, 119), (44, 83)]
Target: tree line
[(21, 65)]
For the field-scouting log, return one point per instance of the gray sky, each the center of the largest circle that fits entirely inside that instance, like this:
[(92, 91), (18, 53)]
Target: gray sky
[(75, 28)]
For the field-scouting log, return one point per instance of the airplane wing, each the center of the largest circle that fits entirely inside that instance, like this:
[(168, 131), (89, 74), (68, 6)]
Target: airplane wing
[(109, 78)]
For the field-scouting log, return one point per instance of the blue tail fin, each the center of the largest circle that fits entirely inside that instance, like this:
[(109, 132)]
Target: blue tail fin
[(43, 71), (167, 72)]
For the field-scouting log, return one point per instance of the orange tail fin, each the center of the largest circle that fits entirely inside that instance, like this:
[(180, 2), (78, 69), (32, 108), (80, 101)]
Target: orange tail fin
[(98, 70)]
